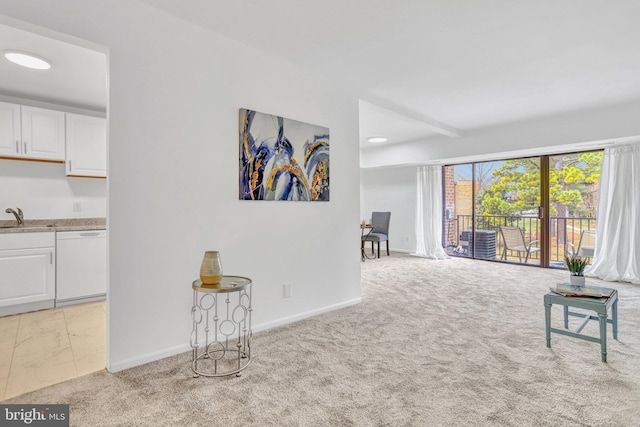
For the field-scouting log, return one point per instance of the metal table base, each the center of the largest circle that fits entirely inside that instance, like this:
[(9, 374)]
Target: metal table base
[(221, 316)]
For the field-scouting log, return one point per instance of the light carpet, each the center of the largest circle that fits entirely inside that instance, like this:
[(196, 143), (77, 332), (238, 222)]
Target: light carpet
[(434, 343)]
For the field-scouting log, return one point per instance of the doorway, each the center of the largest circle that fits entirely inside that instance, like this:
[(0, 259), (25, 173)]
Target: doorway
[(65, 342), (530, 210)]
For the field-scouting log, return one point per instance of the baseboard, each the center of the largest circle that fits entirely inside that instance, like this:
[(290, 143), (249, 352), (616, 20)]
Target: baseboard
[(305, 315), (26, 307), (404, 251), (183, 348), (82, 300), (148, 358)]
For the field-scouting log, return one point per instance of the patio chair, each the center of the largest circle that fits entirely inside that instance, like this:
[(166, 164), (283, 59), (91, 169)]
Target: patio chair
[(586, 245), (513, 239), (380, 232)]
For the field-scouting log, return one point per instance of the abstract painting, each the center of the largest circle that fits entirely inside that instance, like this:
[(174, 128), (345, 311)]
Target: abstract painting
[(282, 159)]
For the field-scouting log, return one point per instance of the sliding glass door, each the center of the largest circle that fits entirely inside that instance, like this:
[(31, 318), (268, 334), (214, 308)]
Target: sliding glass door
[(573, 204), (459, 207), (528, 210)]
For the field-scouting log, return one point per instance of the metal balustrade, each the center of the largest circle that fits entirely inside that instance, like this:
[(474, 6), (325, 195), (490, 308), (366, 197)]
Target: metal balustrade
[(563, 231)]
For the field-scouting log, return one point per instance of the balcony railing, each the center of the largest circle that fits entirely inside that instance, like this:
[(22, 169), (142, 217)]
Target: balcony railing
[(564, 232)]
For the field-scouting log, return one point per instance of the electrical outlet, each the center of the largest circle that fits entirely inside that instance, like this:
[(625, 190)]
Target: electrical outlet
[(286, 290), (77, 206)]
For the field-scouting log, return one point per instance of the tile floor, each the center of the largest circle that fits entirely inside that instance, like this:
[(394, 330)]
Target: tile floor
[(50, 346)]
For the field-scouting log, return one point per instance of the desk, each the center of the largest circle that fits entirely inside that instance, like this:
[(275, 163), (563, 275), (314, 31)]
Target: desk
[(600, 305), (366, 230), (221, 314)]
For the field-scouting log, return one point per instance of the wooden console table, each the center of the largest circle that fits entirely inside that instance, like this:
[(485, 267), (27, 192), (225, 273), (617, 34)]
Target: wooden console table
[(601, 306)]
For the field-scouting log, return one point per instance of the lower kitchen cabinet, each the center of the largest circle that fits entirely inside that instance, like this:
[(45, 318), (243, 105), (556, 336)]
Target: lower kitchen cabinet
[(27, 263), (81, 267)]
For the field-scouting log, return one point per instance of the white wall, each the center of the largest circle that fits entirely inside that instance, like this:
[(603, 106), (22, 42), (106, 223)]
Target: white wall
[(393, 190), (386, 183), (544, 135), (43, 191), (175, 90)]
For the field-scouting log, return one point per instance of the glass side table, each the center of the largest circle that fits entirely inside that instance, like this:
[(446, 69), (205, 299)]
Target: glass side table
[(366, 229), (221, 317)]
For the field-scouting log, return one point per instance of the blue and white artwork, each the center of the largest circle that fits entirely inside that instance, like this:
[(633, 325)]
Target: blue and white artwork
[(282, 159)]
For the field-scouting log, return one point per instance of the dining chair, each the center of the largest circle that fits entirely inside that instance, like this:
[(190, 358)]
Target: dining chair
[(513, 239), (380, 232)]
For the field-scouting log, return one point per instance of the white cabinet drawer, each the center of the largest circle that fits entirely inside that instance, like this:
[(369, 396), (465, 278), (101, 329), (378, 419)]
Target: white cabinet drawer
[(27, 240)]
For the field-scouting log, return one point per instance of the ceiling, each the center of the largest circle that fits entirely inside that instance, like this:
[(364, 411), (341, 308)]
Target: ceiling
[(432, 67), (77, 78), (422, 68)]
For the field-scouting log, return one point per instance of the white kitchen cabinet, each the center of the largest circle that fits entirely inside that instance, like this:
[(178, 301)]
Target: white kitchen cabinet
[(27, 272), (10, 134), (31, 132), (81, 268), (86, 148), (43, 133)]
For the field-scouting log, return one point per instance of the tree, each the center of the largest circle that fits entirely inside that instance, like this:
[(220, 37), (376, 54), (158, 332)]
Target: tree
[(514, 188)]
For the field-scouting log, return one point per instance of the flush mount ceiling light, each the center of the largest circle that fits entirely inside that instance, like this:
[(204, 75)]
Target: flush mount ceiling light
[(27, 59), (377, 139)]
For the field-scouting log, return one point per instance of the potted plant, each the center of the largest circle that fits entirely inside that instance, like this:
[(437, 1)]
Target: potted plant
[(576, 265)]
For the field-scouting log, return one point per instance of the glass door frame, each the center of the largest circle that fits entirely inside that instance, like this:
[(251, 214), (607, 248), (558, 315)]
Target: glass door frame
[(544, 218), (543, 213)]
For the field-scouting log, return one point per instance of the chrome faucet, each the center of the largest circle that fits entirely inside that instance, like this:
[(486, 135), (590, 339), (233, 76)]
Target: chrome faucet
[(19, 215)]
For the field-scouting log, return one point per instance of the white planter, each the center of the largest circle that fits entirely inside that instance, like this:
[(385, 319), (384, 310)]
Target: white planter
[(576, 280)]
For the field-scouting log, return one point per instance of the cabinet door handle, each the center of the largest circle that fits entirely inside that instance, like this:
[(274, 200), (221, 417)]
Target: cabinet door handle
[(18, 147), (69, 166), (90, 234), (25, 147)]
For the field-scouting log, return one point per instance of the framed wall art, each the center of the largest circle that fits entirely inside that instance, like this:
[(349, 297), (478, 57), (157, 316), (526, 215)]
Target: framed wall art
[(282, 159)]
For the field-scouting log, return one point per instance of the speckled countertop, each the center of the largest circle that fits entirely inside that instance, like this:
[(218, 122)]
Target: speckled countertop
[(62, 224)]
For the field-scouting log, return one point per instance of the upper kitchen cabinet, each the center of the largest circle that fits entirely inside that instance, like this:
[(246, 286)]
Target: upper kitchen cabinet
[(43, 133), (33, 133), (10, 135), (86, 146)]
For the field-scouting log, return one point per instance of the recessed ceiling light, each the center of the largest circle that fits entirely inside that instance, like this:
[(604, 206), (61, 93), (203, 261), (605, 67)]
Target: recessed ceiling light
[(27, 59), (377, 139)]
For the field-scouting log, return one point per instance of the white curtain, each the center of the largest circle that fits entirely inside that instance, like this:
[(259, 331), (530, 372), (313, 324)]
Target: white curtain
[(617, 255), (429, 213)]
